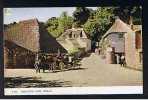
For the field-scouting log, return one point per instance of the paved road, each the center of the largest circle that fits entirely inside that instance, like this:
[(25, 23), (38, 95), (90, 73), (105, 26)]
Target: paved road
[(94, 72)]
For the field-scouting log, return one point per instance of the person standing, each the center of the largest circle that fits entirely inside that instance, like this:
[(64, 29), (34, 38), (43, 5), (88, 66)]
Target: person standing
[(37, 63), (96, 51), (123, 60), (118, 59), (109, 54), (70, 60)]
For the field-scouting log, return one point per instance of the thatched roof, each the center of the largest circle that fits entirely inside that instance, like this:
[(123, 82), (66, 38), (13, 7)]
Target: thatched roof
[(32, 35), (118, 27)]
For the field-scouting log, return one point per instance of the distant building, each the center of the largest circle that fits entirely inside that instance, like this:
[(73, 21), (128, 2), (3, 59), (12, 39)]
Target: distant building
[(75, 38), (24, 39), (124, 39)]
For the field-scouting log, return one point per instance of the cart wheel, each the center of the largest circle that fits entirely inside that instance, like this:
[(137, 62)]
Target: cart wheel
[(61, 66)]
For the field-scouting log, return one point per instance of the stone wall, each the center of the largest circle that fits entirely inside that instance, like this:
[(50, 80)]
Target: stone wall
[(85, 43), (116, 40), (131, 54)]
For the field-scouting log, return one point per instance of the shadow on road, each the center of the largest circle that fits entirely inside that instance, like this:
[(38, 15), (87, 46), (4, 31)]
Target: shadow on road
[(85, 55), (65, 70), (26, 82)]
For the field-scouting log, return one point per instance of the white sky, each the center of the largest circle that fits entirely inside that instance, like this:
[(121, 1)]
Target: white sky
[(42, 13)]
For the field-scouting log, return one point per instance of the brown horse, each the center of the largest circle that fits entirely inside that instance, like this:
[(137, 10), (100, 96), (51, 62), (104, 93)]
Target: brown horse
[(49, 63)]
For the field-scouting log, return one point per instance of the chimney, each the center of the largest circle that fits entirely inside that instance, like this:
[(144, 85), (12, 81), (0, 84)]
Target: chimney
[(131, 22)]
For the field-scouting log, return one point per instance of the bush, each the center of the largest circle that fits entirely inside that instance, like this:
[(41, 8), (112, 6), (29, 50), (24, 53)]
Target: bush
[(73, 51)]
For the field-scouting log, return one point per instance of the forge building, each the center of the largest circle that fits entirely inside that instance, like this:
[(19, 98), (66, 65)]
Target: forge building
[(124, 39), (23, 40), (75, 38)]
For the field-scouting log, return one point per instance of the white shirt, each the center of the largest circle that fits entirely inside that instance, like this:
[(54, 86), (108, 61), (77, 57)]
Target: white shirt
[(70, 59), (122, 57)]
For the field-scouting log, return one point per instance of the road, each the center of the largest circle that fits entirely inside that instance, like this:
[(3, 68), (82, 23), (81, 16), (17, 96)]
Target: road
[(94, 72)]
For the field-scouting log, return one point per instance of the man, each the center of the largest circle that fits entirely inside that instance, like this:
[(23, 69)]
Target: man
[(117, 59), (123, 60), (37, 63), (109, 54), (70, 60)]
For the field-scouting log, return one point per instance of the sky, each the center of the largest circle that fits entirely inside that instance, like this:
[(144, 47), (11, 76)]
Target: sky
[(42, 14)]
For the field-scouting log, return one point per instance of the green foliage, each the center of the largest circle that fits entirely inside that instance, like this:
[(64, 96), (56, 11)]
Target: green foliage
[(90, 27), (65, 22), (137, 15), (76, 25), (125, 13), (52, 27), (104, 16), (55, 33), (52, 23), (56, 26), (99, 22), (72, 51), (95, 22), (80, 15)]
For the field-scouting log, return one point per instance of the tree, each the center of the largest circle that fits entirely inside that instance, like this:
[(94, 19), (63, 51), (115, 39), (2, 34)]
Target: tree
[(56, 26), (128, 12), (91, 27), (104, 17), (99, 22), (52, 22), (65, 22), (136, 13), (52, 27), (80, 15)]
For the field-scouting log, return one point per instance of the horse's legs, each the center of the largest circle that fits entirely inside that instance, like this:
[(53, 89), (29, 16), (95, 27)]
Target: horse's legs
[(43, 68), (53, 67), (39, 69), (36, 68), (49, 67)]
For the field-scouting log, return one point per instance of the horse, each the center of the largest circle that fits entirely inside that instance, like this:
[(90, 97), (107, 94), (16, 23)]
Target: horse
[(49, 63), (52, 66)]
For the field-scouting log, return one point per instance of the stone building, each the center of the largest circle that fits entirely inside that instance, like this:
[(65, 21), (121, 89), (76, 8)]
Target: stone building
[(23, 40), (133, 47), (125, 39), (75, 38)]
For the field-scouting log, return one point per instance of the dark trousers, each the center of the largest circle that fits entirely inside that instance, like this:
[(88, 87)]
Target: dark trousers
[(123, 63)]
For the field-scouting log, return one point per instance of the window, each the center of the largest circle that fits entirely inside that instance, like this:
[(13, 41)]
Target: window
[(121, 35), (81, 35), (141, 57), (74, 35), (70, 35), (138, 40)]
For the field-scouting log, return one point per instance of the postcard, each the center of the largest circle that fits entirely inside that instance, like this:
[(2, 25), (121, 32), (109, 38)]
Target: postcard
[(73, 50)]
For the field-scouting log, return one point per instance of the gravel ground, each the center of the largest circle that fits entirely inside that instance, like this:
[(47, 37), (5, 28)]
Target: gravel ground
[(94, 72)]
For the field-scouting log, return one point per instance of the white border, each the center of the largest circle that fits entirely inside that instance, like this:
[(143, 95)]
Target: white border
[(75, 90)]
